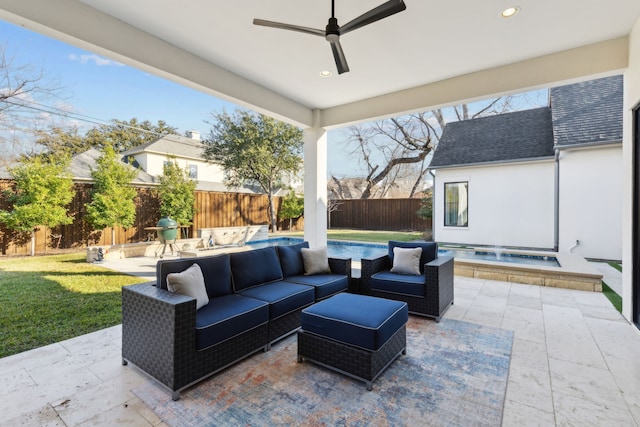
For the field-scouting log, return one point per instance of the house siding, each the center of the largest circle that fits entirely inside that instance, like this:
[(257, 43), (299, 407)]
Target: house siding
[(509, 205), (591, 202)]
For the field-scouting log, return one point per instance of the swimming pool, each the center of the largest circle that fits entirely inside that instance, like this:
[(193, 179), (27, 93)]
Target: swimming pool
[(358, 250), (562, 270)]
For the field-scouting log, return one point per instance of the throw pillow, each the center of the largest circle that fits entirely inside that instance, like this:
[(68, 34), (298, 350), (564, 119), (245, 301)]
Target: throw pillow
[(315, 261), (189, 282), (406, 261)]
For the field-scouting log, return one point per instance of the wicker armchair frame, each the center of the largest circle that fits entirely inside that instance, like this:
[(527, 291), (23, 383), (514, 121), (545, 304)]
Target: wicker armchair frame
[(438, 276)]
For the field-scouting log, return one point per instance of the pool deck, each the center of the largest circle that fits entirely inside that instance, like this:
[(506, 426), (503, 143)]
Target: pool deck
[(574, 272)]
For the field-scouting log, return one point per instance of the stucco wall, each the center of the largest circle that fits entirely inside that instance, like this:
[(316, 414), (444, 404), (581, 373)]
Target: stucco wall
[(631, 99), (591, 202), (153, 164), (509, 205)]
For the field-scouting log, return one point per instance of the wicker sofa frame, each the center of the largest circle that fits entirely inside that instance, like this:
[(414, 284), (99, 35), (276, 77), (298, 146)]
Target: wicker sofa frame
[(158, 336), (438, 276)]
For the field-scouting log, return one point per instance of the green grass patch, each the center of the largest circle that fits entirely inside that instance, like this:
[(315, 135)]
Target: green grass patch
[(615, 265), (363, 235), (46, 299), (615, 299)]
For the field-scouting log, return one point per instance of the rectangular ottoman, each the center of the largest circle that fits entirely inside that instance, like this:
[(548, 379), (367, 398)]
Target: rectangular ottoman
[(356, 335)]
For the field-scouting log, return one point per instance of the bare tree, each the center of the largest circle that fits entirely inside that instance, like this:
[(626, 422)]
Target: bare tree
[(22, 91), (395, 152)]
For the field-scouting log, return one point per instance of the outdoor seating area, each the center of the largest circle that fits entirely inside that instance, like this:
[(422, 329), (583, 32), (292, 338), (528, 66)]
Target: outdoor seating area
[(204, 314), (562, 338)]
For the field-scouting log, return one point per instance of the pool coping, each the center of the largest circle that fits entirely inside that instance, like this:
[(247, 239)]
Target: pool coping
[(574, 271)]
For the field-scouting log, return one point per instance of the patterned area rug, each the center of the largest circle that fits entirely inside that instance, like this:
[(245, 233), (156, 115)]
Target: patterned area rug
[(454, 374)]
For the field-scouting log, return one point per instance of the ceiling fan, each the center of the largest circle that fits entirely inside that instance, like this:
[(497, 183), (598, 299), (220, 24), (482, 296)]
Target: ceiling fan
[(333, 31)]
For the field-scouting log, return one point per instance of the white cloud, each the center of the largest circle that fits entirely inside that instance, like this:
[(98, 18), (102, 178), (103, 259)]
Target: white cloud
[(96, 59)]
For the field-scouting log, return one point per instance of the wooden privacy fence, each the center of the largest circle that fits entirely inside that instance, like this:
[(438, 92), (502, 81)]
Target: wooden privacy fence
[(379, 214), (213, 209)]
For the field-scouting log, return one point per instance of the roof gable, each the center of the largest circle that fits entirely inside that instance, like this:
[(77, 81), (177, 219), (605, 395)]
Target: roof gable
[(83, 163), (519, 135), (588, 112), (170, 145)]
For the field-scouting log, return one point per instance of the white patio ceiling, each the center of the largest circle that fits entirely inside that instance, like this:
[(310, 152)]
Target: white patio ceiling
[(435, 53)]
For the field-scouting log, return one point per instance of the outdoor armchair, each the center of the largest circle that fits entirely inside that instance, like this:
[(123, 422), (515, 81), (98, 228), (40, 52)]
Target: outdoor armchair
[(427, 289)]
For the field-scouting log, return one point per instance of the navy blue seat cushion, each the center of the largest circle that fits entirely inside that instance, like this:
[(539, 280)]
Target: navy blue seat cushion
[(398, 283), (291, 259), (324, 284), (216, 271), (282, 297), (227, 316), (429, 251), (358, 320), (255, 267)]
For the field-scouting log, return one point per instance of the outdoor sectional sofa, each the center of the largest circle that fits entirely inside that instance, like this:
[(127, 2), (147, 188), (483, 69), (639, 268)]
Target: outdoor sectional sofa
[(255, 298), (428, 291)]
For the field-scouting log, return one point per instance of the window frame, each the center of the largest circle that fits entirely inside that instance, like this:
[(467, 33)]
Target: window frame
[(446, 210)]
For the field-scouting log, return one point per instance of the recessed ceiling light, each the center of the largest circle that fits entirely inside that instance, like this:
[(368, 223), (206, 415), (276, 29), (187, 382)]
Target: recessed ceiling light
[(325, 73), (510, 11)]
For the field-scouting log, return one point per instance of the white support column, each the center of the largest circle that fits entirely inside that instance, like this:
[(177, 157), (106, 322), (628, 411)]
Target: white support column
[(315, 184)]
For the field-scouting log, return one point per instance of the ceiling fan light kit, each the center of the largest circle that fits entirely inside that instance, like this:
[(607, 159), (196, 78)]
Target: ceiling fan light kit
[(333, 31)]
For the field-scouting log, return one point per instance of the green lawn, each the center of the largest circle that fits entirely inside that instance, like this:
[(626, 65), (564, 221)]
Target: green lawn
[(46, 299), (362, 235)]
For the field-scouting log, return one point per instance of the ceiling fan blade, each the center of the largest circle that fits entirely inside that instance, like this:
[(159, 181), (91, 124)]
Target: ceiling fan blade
[(290, 27), (377, 13), (338, 55)]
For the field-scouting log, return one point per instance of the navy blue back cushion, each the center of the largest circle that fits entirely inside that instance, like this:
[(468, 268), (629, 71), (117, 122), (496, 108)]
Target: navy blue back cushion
[(291, 259), (429, 251), (216, 270), (255, 267)]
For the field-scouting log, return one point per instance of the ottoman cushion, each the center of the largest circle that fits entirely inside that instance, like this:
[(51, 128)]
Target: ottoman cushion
[(358, 320)]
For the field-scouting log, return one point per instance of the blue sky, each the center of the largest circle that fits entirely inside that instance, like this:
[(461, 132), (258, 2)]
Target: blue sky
[(102, 89)]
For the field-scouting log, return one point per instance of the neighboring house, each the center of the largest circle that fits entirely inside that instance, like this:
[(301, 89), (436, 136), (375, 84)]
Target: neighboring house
[(187, 153), (151, 157), (546, 178)]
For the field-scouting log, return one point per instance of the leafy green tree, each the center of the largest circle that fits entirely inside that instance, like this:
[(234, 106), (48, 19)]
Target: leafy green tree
[(426, 211), (254, 148), (121, 135), (292, 207), (112, 198), (426, 207), (43, 189), (59, 140), (177, 193)]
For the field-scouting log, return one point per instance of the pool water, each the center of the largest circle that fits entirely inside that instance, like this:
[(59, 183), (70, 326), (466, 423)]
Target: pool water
[(357, 251)]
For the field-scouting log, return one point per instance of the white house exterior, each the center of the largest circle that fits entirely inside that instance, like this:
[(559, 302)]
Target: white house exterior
[(548, 178), (591, 201), (187, 153), (499, 197)]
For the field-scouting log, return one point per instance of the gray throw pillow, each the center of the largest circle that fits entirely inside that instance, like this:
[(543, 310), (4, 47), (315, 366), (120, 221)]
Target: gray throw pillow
[(406, 260), (189, 282), (315, 261)]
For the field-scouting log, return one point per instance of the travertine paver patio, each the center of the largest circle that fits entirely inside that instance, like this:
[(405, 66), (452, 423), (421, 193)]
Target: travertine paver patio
[(575, 361)]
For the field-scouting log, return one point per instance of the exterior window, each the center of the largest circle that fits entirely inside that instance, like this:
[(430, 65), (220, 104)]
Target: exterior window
[(456, 202), (193, 171)]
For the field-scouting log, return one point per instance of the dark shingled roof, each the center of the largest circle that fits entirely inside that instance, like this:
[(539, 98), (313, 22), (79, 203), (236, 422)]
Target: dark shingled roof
[(514, 136), (588, 112)]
